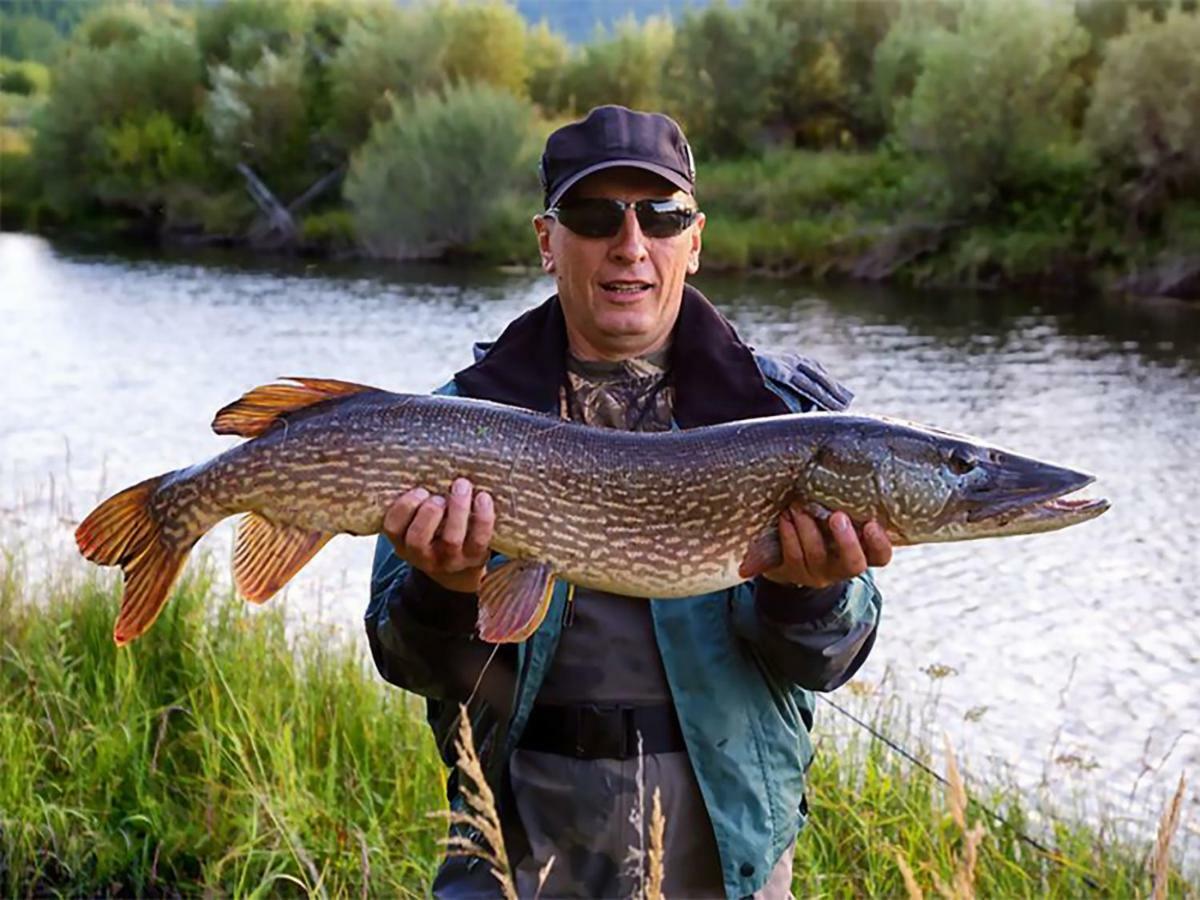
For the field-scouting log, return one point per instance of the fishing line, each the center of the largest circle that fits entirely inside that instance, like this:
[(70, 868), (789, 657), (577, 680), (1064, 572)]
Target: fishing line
[(1050, 854), (471, 696)]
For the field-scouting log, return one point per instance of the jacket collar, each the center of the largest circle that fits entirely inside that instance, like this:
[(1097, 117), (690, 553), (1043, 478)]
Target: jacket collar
[(714, 374)]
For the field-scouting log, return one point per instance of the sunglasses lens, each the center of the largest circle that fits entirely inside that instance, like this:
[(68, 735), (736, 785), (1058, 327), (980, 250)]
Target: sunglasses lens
[(663, 219), (595, 218), (602, 218)]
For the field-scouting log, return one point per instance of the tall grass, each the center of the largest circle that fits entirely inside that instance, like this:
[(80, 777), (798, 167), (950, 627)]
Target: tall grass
[(221, 755), (215, 754)]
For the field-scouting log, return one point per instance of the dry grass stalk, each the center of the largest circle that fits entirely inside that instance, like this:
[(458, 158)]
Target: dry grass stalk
[(962, 884), (910, 882), (1162, 846), (481, 815), (655, 853)]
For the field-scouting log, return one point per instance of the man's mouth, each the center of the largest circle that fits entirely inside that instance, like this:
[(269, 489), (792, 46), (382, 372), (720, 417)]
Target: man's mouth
[(626, 287)]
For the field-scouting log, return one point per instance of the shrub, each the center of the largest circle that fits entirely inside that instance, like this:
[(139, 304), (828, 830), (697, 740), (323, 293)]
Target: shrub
[(430, 178), (99, 91), (722, 79), (992, 94), (482, 41), (258, 117), (389, 52), (625, 67), (546, 54), (1144, 118), (16, 81)]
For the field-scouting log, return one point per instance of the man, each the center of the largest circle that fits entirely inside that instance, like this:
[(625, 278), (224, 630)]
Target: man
[(706, 697)]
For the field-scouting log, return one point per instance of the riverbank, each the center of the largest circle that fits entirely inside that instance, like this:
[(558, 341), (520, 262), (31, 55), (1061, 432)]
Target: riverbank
[(219, 753), (827, 215)]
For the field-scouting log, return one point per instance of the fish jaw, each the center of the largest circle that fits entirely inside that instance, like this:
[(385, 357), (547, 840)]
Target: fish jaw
[(1020, 496)]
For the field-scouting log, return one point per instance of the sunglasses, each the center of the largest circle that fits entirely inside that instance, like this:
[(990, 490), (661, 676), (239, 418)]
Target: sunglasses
[(599, 217)]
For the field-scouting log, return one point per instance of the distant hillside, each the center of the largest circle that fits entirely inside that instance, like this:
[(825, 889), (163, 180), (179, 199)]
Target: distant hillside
[(576, 20)]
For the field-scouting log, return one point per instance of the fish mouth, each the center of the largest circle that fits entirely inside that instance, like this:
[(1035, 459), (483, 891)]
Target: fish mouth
[(1027, 495)]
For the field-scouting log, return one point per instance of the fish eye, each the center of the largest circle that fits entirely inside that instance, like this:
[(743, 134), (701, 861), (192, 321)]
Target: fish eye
[(961, 462)]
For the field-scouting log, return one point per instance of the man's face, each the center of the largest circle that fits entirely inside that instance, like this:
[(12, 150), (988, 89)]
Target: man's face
[(620, 295)]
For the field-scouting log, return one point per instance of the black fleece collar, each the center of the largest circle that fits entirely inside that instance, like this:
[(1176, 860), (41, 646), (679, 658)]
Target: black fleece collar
[(713, 372)]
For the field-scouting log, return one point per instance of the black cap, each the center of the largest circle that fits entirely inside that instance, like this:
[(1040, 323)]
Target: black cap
[(611, 137)]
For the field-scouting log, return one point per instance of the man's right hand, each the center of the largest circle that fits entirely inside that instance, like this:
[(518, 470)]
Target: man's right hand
[(445, 537)]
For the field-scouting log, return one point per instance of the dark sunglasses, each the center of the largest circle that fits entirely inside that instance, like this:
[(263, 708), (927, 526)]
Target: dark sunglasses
[(599, 217)]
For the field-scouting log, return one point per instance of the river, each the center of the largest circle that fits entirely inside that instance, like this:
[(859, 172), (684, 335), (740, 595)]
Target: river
[(1067, 664)]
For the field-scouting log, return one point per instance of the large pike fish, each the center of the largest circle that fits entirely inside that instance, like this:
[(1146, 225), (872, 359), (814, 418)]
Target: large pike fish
[(649, 515)]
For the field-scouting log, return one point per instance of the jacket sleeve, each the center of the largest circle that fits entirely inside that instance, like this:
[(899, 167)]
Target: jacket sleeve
[(816, 639), (422, 636)]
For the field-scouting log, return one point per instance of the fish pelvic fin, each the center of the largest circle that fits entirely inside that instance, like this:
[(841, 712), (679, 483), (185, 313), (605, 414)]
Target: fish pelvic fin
[(513, 600), (764, 553), (122, 531), (266, 555), (260, 408)]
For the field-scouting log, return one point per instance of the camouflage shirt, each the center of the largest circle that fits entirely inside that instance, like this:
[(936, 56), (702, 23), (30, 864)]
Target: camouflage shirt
[(584, 813)]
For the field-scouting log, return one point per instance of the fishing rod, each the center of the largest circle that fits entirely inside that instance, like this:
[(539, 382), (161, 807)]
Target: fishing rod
[(1041, 848)]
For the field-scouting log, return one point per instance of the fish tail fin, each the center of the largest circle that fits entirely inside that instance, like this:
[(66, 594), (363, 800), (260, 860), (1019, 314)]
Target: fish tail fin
[(122, 531)]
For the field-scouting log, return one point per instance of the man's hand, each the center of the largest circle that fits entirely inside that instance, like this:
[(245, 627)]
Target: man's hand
[(813, 560), (446, 538)]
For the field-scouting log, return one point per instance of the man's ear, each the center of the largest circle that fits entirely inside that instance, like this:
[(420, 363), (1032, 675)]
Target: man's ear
[(693, 265), (542, 226)]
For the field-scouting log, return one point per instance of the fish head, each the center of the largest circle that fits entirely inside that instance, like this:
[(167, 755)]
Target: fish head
[(939, 486)]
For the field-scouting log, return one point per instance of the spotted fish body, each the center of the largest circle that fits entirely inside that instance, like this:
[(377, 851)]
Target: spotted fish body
[(651, 515)]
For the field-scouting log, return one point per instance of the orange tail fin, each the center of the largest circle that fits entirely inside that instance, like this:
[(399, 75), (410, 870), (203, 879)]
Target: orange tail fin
[(121, 531)]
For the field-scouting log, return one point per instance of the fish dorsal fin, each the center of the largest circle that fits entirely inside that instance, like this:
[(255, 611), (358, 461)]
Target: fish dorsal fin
[(513, 600), (258, 409), (266, 555)]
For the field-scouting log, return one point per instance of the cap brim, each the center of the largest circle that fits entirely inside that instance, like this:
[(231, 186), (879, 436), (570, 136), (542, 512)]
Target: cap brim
[(670, 175)]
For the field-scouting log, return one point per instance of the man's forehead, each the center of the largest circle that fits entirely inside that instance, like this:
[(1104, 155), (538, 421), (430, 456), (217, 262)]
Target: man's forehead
[(625, 180)]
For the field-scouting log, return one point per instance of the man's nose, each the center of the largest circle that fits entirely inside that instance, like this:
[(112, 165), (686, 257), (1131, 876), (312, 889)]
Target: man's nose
[(629, 245)]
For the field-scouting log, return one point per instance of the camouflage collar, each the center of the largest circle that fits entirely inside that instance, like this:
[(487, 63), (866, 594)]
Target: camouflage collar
[(714, 375)]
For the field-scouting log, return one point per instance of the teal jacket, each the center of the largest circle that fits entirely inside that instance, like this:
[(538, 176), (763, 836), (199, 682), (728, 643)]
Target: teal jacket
[(741, 663)]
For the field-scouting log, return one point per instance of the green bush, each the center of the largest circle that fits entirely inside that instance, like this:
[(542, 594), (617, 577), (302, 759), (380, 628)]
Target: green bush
[(722, 80), (992, 95), (330, 231), (258, 117), (97, 94), (482, 41), (16, 81), (546, 54), (20, 191), (625, 67), (1144, 118), (389, 52), (786, 183), (430, 178), (236, 32)]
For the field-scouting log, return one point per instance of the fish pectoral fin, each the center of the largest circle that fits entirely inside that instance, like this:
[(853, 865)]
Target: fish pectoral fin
[(513, 600), (266, 555), (260, 408), (765, 553)]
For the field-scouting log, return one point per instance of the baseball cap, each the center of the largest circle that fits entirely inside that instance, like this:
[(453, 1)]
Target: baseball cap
[(611, 137)]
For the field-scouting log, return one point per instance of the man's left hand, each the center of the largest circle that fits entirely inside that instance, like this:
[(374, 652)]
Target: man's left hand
[(819, 555)]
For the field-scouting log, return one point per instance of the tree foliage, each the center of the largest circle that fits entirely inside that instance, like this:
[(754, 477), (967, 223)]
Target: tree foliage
[(98, 92), (1144, 117), (430, 177), (623, 67), (993, 95), (722, 82), (482, 41), (258, 116)]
